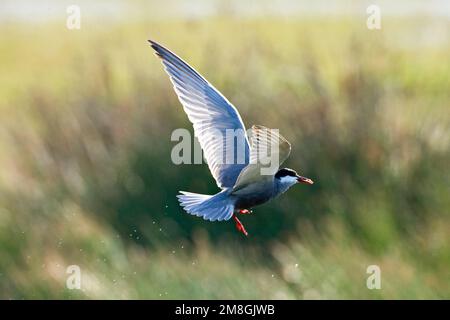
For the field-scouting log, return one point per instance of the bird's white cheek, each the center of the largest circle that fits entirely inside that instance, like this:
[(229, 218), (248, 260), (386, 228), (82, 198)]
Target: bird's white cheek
[(288, 181)]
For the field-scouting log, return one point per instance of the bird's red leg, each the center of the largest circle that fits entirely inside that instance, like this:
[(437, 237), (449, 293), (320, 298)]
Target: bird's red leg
[(239, 225), (245, 211)]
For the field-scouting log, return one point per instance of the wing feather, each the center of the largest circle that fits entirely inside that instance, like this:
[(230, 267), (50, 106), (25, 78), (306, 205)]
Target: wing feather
[(267, 146), (210, 113)]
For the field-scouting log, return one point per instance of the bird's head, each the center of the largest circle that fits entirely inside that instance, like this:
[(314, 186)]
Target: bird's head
[(287, 177)]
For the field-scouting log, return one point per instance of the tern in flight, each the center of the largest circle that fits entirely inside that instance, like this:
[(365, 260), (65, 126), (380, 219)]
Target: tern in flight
[(243, 183)]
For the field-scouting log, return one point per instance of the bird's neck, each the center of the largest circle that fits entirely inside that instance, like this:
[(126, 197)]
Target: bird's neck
[(280, 187)]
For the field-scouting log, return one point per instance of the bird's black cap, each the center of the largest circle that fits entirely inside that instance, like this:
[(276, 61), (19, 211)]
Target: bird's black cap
[(285, 172)]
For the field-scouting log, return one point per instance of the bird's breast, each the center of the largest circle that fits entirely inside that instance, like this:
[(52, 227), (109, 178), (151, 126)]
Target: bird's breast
[(253, 195)]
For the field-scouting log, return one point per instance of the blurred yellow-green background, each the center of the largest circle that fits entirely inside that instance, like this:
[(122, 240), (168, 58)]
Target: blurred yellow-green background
[(86, 177)]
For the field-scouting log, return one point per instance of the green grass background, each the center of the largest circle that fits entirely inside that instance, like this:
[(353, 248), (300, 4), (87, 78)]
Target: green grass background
[(86, 177)]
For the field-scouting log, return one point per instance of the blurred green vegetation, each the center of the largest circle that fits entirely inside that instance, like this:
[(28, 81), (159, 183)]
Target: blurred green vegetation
[(87, 179)]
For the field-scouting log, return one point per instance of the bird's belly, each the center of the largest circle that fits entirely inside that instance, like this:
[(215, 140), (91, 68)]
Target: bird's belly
[(248, 198), (249, 202)]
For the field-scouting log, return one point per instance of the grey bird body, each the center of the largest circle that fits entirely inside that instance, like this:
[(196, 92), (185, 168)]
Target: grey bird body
[(255, 194), (244, 184)]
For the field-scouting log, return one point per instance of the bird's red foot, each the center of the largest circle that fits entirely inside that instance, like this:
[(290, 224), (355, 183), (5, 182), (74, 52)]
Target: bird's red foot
[(245, 211), (240, 226)]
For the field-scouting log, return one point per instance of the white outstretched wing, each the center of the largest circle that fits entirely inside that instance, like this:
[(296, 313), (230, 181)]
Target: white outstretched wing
[(211, 115)]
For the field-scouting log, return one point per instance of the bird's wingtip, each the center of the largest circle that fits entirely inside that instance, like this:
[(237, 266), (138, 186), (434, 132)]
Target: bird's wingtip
[(153, 44), (156, 46)]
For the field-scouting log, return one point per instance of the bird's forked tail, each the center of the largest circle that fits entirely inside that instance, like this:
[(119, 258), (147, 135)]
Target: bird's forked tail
[(217, 207)]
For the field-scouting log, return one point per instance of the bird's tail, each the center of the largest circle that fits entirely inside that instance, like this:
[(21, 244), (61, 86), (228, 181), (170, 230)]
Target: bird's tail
[(217, 207)]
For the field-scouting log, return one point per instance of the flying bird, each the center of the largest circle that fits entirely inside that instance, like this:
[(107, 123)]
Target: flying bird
[(242, 182)]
